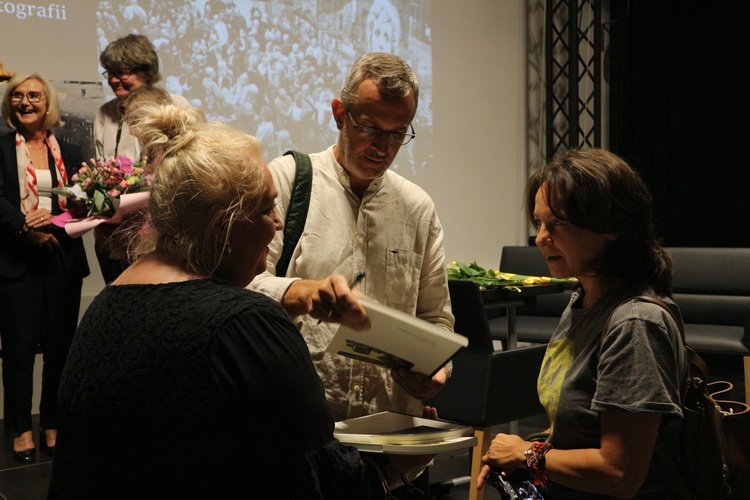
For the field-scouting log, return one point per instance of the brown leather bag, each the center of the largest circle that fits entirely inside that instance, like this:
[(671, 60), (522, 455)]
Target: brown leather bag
[(715, 459), (714, 462)]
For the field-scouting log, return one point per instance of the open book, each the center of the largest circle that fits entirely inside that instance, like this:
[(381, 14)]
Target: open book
[(398, 340)]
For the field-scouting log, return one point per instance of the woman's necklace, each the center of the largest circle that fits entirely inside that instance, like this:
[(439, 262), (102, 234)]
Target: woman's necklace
[(39, 148)]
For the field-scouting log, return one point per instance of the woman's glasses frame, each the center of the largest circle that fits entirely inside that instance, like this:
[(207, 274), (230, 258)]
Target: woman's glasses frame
[(33, 97), (122, 74)]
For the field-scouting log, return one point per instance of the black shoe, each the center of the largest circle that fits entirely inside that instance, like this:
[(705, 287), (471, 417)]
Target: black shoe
[(25, 456), (49, 450)]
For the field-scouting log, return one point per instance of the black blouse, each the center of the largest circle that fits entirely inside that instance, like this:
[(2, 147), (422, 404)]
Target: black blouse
[(196, 390)]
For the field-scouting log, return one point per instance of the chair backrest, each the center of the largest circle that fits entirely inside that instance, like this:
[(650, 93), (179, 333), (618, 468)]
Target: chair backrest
[(523, 260), (718, 271), (471, 318), (487, 387), (712, 285)]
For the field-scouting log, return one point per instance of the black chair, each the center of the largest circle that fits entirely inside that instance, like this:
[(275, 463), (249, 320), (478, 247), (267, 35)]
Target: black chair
[(712, 288), (487, 387)]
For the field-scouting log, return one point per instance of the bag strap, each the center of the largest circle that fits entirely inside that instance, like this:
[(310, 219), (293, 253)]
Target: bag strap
[(696, 361), (296, 215)]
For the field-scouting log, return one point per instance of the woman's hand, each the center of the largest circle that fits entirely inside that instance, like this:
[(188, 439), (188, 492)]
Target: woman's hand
[(38, 226), (39, 218), (506, 452), (42, 239)]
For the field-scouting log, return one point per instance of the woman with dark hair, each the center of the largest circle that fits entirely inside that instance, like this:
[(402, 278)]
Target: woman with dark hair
[(41, 267), (608, 393)]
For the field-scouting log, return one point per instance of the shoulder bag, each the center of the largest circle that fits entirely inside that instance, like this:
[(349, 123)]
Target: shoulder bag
[(296, 214)]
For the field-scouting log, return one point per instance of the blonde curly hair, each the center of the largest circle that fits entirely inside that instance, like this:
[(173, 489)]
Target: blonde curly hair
[(208, 177)]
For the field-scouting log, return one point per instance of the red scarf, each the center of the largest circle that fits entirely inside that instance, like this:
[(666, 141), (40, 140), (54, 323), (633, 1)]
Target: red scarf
[(27, 175)]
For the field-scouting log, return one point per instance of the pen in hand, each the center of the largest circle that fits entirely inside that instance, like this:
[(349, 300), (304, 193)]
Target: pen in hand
[(357, 280), (354, 283)]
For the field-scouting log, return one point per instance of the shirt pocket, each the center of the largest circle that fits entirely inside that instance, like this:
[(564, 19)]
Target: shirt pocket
[(402, 271)]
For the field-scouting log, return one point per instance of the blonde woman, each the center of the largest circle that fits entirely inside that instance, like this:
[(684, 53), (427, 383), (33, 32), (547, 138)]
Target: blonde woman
[(181, 383), (41, 267)]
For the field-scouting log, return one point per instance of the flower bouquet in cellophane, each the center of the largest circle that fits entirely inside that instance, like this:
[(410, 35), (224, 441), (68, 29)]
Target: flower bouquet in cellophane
[(104, 191)]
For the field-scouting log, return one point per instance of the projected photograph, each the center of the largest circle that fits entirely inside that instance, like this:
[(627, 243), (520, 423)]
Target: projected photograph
[(272, 68), (269, 68)]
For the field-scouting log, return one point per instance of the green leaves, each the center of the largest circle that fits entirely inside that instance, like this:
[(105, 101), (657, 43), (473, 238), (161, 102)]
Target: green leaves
[(102, 204), (490, 278)]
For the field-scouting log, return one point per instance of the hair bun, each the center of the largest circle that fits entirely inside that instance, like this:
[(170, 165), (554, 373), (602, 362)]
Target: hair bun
[(165, 129)]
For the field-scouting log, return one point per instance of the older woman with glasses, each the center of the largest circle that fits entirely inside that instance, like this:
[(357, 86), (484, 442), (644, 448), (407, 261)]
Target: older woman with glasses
[(41, 267), (130, 63)]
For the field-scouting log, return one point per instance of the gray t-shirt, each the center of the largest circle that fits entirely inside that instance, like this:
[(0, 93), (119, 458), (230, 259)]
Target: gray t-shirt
[(639, 366)]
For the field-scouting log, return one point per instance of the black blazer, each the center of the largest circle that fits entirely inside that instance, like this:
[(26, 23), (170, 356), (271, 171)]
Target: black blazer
[(14, 247)]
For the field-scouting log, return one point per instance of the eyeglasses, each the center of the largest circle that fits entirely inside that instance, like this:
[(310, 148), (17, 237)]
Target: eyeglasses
[(32, 97), (122, 74), (373, 134)]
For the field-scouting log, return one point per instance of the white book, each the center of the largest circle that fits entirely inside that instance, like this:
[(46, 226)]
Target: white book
[(398, 340), (397, 433)]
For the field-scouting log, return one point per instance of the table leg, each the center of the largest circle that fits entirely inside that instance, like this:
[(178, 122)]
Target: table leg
[(484, 437), (512, 344), (512, 327)]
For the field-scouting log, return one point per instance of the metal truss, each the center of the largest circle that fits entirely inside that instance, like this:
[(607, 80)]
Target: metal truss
[(574, 81)]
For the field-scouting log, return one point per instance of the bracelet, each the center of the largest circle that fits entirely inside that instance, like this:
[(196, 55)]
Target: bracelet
[(536, 460)]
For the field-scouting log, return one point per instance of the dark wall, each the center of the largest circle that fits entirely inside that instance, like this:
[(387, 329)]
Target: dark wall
[(680, 113)]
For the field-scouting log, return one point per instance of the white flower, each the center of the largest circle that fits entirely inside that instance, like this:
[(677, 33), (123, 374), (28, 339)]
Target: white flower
[(78, 192)]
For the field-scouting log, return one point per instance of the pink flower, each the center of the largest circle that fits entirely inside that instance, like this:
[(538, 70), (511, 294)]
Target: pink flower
[(124, 164), (109, 176)]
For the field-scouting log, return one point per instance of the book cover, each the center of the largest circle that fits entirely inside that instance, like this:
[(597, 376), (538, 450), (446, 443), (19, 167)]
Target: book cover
[(398, 340)]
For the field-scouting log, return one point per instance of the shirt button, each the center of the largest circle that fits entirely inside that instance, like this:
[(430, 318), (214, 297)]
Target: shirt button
[(357, 388), (360, 240)]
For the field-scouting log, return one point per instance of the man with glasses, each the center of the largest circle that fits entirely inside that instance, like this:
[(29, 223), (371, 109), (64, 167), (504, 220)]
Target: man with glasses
[(363, 219)]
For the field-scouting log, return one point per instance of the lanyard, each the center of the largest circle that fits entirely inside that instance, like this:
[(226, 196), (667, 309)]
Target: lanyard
[(119, 134)]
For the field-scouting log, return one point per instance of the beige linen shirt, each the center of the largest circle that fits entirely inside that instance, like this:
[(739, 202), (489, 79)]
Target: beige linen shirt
[(392, 234)]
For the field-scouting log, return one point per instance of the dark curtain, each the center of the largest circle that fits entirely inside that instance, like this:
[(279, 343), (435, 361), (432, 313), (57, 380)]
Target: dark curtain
[(680, 113)]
